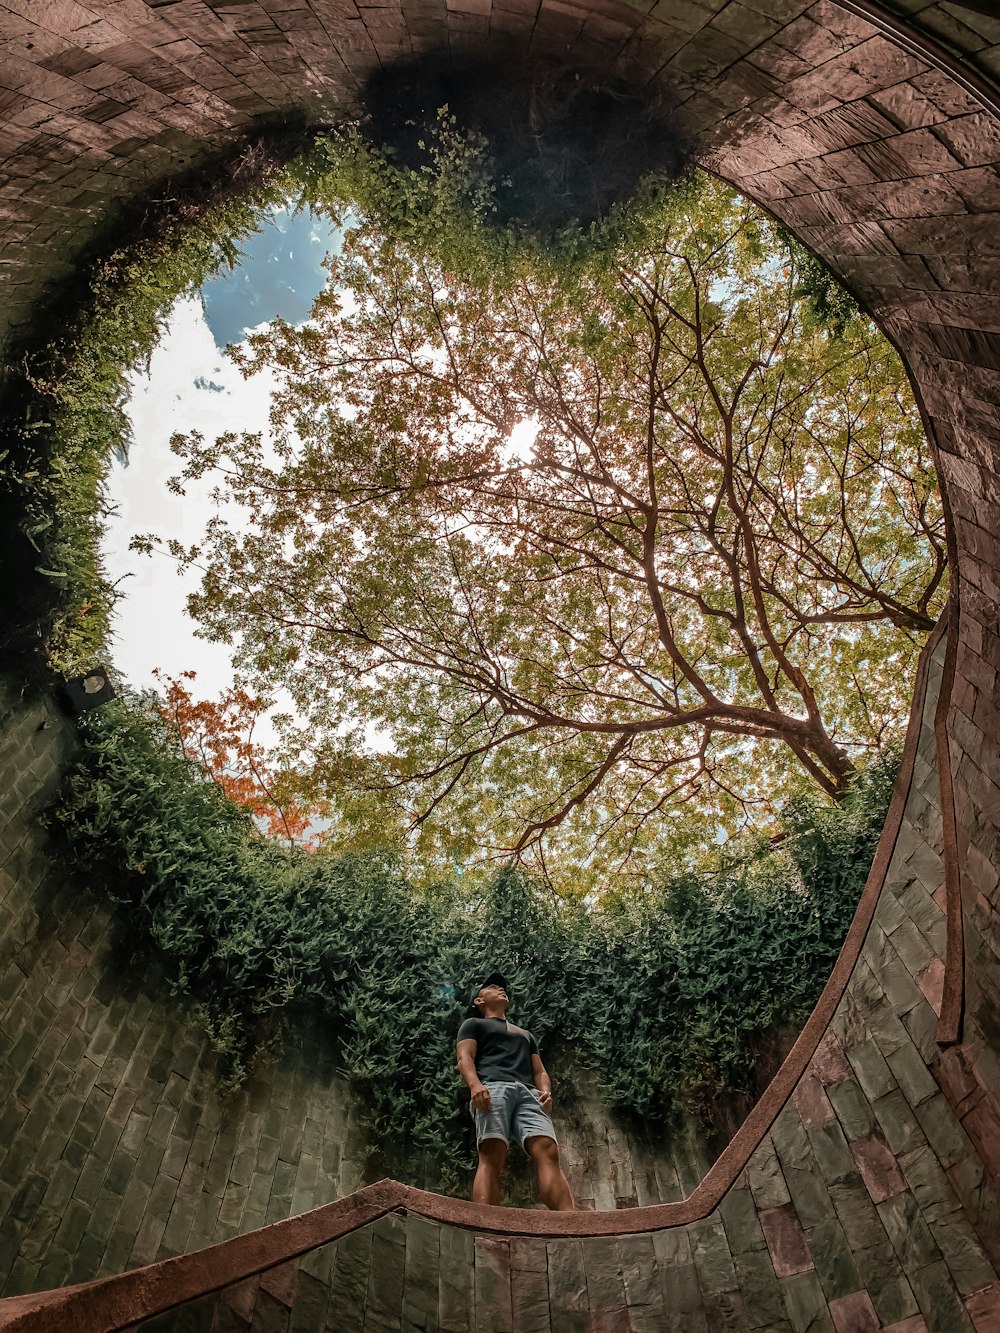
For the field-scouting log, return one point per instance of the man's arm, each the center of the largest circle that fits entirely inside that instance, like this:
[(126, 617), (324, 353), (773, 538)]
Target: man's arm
[(465, 1055), (542, 1082)]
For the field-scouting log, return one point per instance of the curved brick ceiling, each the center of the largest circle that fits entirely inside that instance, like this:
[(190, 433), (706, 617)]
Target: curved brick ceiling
[(876, 137)]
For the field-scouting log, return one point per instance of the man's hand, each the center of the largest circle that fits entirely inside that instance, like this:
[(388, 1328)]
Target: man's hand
[(481, 1099), (545, 1098)]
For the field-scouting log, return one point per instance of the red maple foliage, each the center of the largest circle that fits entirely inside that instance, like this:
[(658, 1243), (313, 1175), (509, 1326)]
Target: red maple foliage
[(219, 736)]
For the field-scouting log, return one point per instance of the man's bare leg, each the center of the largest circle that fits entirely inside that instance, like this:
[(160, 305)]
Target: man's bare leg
[(553, 1187), (492, 1160)]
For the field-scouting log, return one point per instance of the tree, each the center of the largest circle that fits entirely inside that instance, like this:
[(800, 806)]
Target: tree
[(702, 585), (219, 736)]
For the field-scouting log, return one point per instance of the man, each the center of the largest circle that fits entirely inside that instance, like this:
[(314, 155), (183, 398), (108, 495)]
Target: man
[(510, 1095)]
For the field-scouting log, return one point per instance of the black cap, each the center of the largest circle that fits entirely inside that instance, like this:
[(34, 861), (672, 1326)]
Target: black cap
[(494, 979), (89, 691)]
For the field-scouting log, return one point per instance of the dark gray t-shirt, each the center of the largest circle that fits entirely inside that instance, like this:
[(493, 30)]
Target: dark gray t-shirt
[(503, 1050)]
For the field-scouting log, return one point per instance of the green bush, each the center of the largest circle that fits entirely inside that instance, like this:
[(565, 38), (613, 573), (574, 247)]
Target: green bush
[(664, 995)]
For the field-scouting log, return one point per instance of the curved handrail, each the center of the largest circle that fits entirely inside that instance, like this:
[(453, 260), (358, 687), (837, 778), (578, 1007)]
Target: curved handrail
[(927, 46), (119, 1302)]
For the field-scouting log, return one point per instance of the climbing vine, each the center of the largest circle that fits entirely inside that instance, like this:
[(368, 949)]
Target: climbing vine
[(65, 394), (664, 995)]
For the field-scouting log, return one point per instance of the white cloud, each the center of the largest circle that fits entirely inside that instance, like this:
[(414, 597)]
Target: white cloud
[(152, 628)]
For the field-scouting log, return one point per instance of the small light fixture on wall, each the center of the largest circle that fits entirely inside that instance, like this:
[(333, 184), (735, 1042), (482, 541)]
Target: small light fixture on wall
[(89, 691)]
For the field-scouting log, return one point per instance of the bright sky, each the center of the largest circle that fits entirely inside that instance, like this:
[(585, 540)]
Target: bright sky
[(191, 384), (280, 274)]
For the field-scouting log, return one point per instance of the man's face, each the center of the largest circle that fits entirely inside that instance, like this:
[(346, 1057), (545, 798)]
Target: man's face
[(493, 995)]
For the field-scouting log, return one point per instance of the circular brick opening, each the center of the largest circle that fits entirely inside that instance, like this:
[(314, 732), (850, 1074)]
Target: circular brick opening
[(871, 142)]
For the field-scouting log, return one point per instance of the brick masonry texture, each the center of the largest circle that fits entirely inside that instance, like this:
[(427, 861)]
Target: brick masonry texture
[(872, 1193), (866, 1206), (116, 1147)]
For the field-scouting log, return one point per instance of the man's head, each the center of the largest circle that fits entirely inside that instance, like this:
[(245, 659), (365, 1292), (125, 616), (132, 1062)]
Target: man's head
[(489, 995)]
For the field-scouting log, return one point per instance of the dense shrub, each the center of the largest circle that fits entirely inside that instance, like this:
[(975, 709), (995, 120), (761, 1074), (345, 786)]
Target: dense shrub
[(664, 995)]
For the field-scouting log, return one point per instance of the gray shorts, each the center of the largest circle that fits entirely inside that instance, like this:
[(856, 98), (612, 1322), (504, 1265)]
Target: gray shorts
[(516, 1111)]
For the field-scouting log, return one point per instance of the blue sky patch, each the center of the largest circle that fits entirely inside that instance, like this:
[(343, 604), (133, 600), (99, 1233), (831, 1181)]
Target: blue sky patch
[(279, 276)]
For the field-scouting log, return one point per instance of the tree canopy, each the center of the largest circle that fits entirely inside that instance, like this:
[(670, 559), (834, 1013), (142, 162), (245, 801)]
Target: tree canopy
[(217, 735), (586, 555)]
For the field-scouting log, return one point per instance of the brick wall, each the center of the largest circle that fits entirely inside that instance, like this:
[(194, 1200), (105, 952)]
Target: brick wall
[(116, 1146), (880, 152), (866, 1206), (888, 168), (970, 30)]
